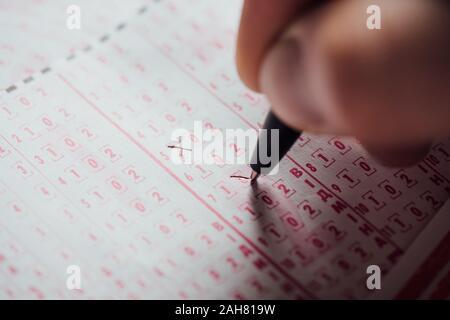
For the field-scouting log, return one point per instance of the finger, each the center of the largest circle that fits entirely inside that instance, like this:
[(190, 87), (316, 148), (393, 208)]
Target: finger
[(330, 73), (404, 155), (261, 23)]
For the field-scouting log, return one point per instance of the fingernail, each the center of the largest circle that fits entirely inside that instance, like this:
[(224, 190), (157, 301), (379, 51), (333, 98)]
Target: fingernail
[(283, 79)]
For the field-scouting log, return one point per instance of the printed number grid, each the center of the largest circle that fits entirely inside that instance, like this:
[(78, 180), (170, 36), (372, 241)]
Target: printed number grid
[(86, 179)]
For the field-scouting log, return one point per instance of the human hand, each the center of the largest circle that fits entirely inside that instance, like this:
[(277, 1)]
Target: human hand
[(324, 71)]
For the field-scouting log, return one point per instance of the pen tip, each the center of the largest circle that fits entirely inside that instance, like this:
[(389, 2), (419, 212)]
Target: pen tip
[(253, 177)]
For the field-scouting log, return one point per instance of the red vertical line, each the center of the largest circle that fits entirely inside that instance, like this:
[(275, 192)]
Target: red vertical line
[(435, 170), (427, 271), (187, 187), (442, 291), (348, 205), (290, 158)]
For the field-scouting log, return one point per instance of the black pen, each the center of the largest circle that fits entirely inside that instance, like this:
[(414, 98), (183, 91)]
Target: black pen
[(287, 137)]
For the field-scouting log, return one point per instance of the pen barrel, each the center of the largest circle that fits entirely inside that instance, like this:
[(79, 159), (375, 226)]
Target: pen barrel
[(274, 141)]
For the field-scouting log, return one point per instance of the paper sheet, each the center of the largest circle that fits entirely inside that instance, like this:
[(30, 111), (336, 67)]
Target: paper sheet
[(86, 178), (35, 32), (424, 272)]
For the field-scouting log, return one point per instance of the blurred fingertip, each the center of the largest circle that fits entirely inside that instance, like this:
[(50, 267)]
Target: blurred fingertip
[(398, 156)]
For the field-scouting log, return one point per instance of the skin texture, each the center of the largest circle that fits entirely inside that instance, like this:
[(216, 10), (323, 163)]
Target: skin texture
[(324, 71)]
